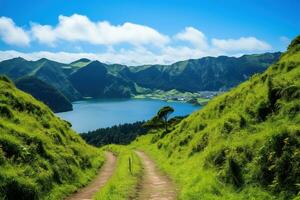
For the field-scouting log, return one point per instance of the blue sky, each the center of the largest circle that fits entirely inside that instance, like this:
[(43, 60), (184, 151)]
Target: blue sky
[(143, 32)]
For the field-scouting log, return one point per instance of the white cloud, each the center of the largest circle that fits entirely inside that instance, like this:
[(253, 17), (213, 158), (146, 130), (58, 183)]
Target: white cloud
[(81, 28), (43, 34), (194, 36), (241, 44), (12, 34), (135, 56), (143, 44)]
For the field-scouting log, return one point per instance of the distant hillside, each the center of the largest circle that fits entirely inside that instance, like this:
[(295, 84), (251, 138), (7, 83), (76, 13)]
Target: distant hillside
[(244, 144), (205, 74), (84, 78), (40, 156), (94, 80), (45, 93)]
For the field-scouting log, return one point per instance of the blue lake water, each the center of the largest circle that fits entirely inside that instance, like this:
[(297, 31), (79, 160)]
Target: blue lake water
[(91, 114)]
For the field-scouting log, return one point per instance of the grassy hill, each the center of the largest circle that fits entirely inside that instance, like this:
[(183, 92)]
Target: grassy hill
[(45, 93), (40, 156), (245, 144)]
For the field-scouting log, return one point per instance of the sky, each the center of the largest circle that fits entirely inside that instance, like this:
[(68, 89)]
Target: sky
[(140, 32)]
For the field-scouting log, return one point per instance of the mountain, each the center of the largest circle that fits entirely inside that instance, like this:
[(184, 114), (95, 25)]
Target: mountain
[(51, 72), (208, 73), (40, 156), (16, 67), (86, 78), (80, 63), (45, 93), (244, 144), (94, 80)]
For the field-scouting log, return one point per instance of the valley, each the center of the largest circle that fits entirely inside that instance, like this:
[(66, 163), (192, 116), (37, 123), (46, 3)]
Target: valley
[(225, 149), (181, 81)]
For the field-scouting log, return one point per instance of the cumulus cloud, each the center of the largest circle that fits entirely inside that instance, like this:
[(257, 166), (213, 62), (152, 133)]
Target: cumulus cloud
[(81, 28), (128, 43), (194, 36), (43, 34), (12, 34), (241, 44)]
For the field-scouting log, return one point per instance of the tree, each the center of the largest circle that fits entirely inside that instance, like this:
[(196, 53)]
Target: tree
[(160, 119), (163, 114)]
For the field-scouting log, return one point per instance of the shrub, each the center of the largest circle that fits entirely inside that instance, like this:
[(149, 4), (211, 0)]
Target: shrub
[(10, 147), (20, 189), (6, 79), (6, 112), (233, 173), (279, 162)]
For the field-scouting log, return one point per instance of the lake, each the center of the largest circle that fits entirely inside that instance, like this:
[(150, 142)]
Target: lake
[(91, 114)]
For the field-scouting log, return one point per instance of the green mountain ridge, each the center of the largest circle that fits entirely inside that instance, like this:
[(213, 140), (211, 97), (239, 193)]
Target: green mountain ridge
[(40, 156), (93, 80), (244, 144), (208, 73), (45, 93), (46, 70), (119, 81)]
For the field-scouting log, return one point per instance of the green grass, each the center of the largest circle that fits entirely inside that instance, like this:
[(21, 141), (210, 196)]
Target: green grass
[(123, 183), (244, 144), (40, 156)]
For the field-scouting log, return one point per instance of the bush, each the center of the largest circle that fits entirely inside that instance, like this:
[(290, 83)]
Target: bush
[(279, 162), (6, 112), (20, 189), (10, 147)]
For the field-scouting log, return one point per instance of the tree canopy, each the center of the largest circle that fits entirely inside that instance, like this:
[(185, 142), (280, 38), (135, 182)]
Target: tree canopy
[(161, 118)]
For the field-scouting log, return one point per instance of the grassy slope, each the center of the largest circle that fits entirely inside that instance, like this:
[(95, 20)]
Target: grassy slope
[(123, 184), (44, 92), (40, 156), (243, 145)]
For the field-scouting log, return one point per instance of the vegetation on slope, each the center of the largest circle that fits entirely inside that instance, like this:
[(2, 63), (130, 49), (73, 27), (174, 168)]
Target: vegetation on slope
[(123, 184), (208, 73), (45, 93), (94, 80), (245, 144), (118, 134), (40, 156)]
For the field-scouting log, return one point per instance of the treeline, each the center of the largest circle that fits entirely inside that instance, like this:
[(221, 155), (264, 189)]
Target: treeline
[(119, 134)]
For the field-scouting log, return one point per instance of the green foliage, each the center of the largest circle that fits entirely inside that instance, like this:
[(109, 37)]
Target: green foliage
[(123, 184), (40, 156), (161, 118), (119, 134), (294, 43), (244, 144)]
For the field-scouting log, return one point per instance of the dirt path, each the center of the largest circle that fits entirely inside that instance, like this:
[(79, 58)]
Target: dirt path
[(154, 185), (105, 173)]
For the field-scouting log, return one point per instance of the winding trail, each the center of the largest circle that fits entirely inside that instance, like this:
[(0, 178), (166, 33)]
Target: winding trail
[(154, 184), (106, 171)]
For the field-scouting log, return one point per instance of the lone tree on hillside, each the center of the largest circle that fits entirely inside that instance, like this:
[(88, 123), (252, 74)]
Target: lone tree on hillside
[(160, 119), (163, 114)]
